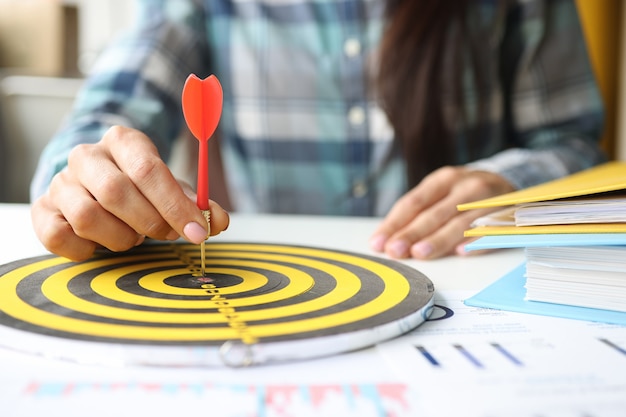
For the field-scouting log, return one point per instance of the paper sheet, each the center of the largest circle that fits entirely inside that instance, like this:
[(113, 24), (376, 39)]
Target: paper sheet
[(501, 363), (342, 385)]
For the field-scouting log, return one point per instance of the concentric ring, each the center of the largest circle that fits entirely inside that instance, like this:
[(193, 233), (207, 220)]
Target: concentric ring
[(252, 294)]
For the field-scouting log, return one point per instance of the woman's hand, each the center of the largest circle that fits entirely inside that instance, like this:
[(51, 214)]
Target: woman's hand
[(425, 223), (114, 194)]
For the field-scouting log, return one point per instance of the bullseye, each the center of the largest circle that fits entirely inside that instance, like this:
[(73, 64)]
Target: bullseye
[(267, 297)]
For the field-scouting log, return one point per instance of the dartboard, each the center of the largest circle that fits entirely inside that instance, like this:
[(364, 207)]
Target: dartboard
[(256, 303)]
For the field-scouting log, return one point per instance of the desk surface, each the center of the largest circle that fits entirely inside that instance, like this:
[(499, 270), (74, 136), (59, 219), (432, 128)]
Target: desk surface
[(518, 365), (455, 273)]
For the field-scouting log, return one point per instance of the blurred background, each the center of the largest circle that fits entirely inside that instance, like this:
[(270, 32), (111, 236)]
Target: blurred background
[(47, 47)]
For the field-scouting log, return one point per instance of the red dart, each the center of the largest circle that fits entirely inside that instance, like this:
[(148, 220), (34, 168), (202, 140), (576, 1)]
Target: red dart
[(202, 108)]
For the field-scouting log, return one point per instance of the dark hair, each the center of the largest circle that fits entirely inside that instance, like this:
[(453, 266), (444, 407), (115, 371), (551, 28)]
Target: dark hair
[(422, 53)]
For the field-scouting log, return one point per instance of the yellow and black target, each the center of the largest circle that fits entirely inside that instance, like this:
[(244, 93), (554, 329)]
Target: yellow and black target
[(264, 299)]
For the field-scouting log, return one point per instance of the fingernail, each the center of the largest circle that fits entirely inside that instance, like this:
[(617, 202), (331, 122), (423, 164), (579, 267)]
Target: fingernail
[(398, 248), (421, 250), (377, 242), (460, 250), (140, 240), (194, 232)]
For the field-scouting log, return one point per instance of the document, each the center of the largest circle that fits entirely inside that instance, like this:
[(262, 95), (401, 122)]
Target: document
[(502, 363), (584, 276), (572, 211), (607, 177), (597, 181), (567, 211), (581, 270)]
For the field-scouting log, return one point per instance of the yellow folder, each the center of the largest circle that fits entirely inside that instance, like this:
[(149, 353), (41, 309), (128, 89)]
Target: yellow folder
[(547, 229), (610, 176)]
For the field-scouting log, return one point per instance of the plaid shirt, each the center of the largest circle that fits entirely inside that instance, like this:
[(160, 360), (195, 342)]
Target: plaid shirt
[(301, 130)]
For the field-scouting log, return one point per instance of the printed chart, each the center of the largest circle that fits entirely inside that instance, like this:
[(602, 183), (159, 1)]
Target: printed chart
[(512, 364)]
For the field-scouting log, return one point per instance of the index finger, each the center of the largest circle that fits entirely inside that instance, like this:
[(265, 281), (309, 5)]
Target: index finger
[(138, 158), (428, 192)]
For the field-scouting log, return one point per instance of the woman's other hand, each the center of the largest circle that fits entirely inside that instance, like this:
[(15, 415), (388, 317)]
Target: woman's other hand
[(425, 223)]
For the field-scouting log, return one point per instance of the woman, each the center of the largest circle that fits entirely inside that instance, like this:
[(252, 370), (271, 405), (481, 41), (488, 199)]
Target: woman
[(401, 109)]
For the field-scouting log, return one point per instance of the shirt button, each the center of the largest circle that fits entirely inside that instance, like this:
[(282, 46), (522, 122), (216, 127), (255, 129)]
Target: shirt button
[(359, 189), (352, 47), (356, 115)]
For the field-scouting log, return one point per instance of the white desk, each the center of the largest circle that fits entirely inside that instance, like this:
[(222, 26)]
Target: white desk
[(391, 378), (471, 273)]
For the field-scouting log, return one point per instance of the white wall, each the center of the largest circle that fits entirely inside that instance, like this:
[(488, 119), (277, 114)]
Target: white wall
[(99, 21), (32, 108)]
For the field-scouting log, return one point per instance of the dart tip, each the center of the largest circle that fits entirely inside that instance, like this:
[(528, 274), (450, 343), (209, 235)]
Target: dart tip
[(207, 216)]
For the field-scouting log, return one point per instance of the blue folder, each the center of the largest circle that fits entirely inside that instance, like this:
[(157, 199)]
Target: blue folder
[(564, 239), (508, 292)]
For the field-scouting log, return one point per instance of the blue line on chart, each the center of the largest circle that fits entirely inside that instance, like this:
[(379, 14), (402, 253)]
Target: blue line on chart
[(468, 356), (613, 345), (507, 354), (428, 356)]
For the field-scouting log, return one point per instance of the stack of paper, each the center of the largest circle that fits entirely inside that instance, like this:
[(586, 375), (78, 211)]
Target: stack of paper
[(592, 209), (586, 276), (574, 232), (597, 208)]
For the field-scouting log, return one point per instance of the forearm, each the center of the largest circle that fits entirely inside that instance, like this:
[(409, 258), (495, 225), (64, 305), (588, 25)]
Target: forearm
[(527, 167)]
